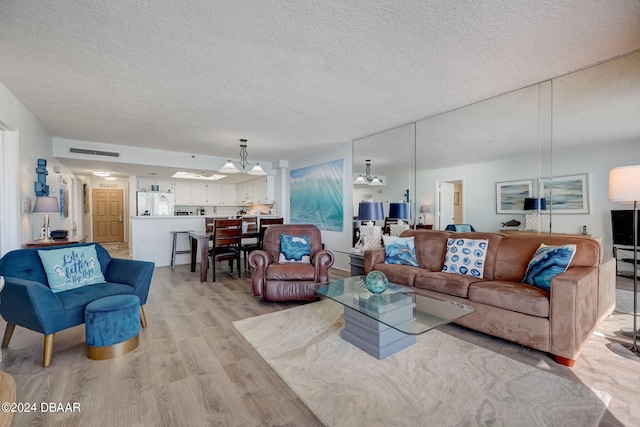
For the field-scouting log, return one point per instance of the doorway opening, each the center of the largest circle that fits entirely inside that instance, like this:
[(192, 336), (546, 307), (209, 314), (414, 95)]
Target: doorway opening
[(449, 203)]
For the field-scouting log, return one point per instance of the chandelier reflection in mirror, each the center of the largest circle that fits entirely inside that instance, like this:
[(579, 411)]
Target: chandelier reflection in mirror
[(367, 178), (230, 166)]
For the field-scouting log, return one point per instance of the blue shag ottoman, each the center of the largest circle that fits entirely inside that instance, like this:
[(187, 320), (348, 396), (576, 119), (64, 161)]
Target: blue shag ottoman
[(112, 326)]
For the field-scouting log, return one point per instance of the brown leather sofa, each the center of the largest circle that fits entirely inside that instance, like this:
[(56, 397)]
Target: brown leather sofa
[(288, 281), (558, 322)]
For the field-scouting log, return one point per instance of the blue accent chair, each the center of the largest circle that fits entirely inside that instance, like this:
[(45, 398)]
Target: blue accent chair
[(27, 301)]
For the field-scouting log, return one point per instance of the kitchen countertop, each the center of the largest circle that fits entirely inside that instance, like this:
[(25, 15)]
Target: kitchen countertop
[(200, 216)]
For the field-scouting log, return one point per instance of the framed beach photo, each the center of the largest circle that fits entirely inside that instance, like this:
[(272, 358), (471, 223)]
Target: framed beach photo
[(510, 195), (566, 194)]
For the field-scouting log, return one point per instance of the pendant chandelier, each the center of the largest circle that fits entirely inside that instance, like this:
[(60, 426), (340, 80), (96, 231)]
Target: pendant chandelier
[(230, 166), (367, 178)]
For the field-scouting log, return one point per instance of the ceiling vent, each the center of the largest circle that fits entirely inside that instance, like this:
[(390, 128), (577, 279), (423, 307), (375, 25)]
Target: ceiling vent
[(94, 152)]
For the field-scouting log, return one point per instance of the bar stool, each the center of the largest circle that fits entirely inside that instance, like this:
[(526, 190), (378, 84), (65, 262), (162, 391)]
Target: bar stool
[(174, 250)]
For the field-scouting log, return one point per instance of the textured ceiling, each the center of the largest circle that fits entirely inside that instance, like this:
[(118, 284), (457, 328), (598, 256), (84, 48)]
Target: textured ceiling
[(196, 76)]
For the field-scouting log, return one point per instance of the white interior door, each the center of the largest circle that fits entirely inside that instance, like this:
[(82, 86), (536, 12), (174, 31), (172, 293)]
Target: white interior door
[(446, 215)]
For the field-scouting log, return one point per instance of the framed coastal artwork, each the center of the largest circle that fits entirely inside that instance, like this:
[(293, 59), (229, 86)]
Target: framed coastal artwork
[(510, 195), (316, 195), (566, 194)]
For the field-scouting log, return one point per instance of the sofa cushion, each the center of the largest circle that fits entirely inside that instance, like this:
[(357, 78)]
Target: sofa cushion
[(465, 256), (399, 274), (548, 262), (430, 247), (512, 296), (446, 283), (295, 248), (291, 271), (71, 267), (399, 250), (80, 297)]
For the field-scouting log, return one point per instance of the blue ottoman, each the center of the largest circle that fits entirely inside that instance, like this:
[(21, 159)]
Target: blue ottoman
[(112, 326)]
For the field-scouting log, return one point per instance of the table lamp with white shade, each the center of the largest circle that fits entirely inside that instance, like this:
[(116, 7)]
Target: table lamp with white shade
[(46, 205), (624, 186)]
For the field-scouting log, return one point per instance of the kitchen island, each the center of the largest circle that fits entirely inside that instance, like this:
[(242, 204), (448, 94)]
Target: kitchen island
[(151, 238)]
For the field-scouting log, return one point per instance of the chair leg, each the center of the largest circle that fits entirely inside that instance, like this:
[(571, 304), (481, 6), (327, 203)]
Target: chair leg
[(173, 250), (48, 349), (8, 333), (143, 318), (213, 269), (239, 266)]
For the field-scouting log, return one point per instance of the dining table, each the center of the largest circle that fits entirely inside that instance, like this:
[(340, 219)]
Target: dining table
[(200, 246)]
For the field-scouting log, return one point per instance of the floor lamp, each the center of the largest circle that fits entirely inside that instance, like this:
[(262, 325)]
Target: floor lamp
[(624, 186)]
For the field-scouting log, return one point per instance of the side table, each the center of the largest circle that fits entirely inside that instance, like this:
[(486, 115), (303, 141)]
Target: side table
[(356, 261)]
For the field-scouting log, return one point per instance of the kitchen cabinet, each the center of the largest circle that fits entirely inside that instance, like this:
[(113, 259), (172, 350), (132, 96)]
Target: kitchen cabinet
[(244, 192), (190, 193), (227, 194), (198, 193), (263, 190), (257, 191), (182, 191)]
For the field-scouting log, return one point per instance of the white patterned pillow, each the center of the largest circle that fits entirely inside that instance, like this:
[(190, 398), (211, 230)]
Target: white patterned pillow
[(465, 256)]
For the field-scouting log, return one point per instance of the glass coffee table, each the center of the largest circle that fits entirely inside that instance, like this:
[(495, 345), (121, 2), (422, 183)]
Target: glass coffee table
[(383, 324)]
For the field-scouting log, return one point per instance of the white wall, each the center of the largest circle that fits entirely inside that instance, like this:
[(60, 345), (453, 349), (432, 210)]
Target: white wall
[(479, 192), (34, 142), (333, 240)]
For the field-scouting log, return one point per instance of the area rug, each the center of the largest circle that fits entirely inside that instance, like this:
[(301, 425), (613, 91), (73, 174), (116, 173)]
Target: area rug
[(439, 381)]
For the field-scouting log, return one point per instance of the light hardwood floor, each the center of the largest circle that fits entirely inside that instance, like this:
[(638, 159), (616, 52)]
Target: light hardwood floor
[(193, 368)]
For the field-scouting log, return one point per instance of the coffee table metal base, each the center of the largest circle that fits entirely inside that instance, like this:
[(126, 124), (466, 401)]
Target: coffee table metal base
[(373, 337)]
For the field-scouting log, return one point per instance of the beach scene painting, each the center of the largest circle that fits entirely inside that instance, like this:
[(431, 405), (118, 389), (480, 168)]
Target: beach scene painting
[(316, 195), (510, 196), (566, 194)]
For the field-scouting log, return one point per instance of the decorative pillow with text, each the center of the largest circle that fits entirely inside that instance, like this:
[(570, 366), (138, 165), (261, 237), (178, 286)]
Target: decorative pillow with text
[(71, 267)]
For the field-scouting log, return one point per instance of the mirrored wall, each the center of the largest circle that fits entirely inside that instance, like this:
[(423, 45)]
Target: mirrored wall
[(476, 164), (390, 157)]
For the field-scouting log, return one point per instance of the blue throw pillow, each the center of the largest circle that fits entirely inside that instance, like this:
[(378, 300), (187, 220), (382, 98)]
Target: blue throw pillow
[(399, 250), (547, 263), (71, 268), (295, 249), (465, 256)]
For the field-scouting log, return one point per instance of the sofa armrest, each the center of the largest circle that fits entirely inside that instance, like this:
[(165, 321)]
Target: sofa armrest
[(259, 260), (31, 305), (606, 288), (371, 258), (573, 310), (322, 261), (136, 274)]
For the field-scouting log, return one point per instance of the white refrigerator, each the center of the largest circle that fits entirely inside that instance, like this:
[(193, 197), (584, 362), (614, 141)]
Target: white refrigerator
[(154, 203)]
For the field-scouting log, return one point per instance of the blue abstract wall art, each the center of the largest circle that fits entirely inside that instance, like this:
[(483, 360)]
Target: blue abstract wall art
[(316, 195)]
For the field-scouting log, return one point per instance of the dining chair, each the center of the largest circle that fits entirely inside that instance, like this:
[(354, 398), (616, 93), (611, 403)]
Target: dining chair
[(250, 247), (226, 237)]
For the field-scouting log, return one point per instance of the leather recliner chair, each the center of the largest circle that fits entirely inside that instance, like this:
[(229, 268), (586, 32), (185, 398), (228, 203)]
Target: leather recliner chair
[(289, 281)]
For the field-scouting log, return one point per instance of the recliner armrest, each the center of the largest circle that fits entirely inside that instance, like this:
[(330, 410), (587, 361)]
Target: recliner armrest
[(321, 261), (259, 260)]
